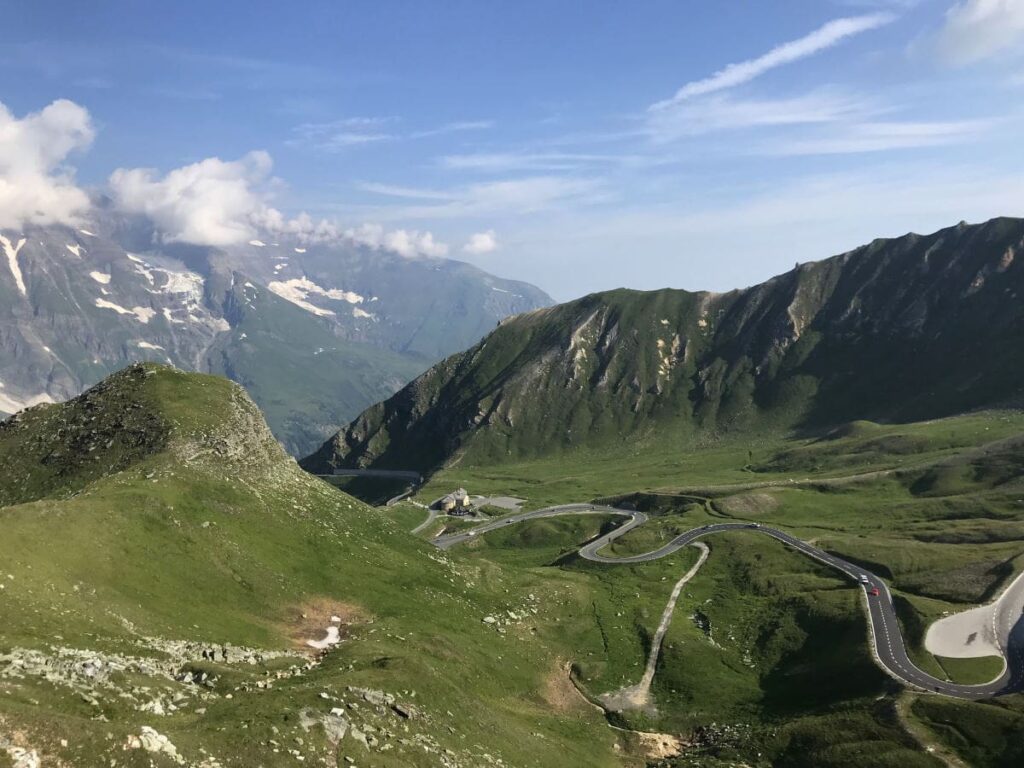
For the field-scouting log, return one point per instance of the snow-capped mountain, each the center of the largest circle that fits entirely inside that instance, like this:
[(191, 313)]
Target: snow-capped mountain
[(315, 332)]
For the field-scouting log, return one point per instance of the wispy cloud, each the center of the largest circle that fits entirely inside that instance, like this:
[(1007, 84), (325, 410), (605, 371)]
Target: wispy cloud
[(348, 132), (980, 29), (197, 93), (409, 193), (741, 72), (456, 127), (720, 112), (336, 135), (500, 162), (886, 136), (504, 197), (343, 139)]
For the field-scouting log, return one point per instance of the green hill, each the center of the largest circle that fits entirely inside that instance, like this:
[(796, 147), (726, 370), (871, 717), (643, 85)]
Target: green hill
[(164, 567), (899, 330)]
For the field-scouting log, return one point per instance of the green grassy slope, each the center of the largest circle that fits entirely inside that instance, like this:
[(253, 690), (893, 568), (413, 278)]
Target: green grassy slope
[(767, 646), (124, 564)]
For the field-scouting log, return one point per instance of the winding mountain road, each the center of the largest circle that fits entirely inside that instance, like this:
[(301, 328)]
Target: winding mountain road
[(886, 638)]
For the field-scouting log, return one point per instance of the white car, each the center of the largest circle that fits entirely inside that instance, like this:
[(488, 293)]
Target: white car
[(864, 579)]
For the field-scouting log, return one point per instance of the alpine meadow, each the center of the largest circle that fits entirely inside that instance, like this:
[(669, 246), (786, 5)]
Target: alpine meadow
[(522, 385)]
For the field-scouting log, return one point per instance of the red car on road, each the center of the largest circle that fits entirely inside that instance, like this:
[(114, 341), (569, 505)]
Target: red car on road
[(873, 592)]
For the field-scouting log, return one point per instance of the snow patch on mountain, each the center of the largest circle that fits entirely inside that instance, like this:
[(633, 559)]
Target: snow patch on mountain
[(188, 284), (100, 277), (15, 269), (258, 243), (298, 291), (147, 345), (12, 261), (76, 249), (142, 314), (357, 312), (87, 232)]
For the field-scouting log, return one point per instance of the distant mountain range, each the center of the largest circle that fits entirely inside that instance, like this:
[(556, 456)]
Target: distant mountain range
[(316, 333), (901, 329)]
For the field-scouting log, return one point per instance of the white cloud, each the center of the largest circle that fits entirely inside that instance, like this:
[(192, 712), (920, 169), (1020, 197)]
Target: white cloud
[(407, 243), (980, 29), (35, 186), (212, 202), (481, 243), (741, 72), (222, 203)]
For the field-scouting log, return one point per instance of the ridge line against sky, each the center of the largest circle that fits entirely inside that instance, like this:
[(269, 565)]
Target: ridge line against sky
[(668, 144)]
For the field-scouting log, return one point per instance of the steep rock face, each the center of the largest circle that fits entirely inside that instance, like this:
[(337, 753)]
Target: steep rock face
[(316, 333), (909, 328)]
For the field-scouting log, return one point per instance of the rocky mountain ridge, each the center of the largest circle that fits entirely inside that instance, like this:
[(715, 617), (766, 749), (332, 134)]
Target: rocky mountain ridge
[(909, 328)]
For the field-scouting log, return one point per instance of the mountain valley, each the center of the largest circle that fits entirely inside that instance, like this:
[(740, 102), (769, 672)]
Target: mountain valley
[(177, 590)]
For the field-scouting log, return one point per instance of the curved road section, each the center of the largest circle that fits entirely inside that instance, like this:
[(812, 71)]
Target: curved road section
[(887, 640)]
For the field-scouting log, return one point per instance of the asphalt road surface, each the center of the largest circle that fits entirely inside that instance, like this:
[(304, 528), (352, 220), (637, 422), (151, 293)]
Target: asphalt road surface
[(887, 640)]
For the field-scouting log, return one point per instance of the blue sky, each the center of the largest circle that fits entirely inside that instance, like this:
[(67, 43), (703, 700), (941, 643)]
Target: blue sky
[(580, 146)]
